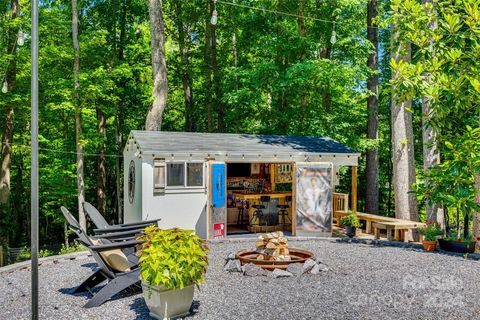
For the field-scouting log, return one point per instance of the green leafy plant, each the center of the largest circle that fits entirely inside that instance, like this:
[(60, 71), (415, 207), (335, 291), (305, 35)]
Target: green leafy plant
[(23, 254), (431, 232), (351, 220), (76, 247), (46, 253), (173, 258), (452, 182)]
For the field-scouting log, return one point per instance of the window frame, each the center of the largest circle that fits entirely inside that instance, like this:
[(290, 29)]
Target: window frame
[(185, 179)]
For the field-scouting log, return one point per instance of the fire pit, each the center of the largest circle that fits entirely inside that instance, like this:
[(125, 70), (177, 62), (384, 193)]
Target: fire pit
[(296, 256), (272, 252)]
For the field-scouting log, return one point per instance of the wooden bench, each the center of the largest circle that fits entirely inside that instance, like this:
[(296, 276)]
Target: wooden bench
[(396, 230), (398, 226)]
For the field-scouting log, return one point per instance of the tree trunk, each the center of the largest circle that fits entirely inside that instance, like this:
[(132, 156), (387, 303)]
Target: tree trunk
[(190, 123), (119, 119), (302, 33), (372, 163), (431, 154), (78, 116), (208, 74), (7, 137), (217, 86), (159, 67), (402, 143), (102, 163), (476, 216)]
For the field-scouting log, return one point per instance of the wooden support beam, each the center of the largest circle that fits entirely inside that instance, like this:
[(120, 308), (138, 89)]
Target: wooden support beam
[(354, 189)]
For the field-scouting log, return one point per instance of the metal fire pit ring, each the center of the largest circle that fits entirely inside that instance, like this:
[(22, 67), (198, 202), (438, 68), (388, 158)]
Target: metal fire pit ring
[(296, 255)]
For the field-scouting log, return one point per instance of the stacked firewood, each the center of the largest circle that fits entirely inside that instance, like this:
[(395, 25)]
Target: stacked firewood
[(273, 246)]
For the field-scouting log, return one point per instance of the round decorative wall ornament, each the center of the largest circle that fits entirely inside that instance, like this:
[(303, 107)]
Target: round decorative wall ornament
[(131, 181)]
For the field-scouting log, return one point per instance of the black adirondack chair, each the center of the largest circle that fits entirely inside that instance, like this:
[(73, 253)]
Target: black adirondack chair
[(102, 226), (115, 281)]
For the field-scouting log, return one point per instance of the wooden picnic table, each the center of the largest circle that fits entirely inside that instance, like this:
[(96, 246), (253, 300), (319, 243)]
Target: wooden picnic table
[(375, 223)]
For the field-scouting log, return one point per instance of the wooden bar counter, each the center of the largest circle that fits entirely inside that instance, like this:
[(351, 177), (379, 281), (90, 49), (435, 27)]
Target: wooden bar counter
[(276, 197)]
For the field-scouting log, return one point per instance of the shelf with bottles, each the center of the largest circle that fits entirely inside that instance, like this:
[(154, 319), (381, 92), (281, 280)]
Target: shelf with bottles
[(283, 172)]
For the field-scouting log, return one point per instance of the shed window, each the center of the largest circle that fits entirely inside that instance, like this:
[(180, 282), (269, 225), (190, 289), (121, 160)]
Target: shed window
[(176, 175), (194, 174), (185, 174)]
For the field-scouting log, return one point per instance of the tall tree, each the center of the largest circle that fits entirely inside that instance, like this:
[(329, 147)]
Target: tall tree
[(372, 162), (159, 67), (406, 206), (190, 123), (10, 81), (78, 116), (215, 71), (7, 137), (431, 154), (102, 162)]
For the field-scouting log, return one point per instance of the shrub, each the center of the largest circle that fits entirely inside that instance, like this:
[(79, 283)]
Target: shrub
[(45, 253), (351, 220), (431, 232), (23, 254), (173, 258), (76, 247)]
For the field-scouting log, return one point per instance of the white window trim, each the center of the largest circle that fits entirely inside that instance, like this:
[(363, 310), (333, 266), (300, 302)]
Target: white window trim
[(167, 187)]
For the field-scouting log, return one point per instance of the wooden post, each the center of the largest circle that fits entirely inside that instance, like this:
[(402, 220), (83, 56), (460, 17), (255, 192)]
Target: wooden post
[(294, 199), (354, 189), (1, 256)]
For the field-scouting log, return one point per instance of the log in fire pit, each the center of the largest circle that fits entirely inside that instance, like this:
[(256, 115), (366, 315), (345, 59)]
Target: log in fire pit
[(272, 252)]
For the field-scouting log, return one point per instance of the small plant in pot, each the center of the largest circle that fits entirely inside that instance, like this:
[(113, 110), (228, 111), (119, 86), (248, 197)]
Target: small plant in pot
[(430, 234), (351, 223), (172, 263)]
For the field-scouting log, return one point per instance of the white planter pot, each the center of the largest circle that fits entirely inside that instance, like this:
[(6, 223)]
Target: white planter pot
[(168, 303)]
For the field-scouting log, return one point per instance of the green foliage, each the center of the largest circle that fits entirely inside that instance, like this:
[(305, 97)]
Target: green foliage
[(46, 253), (76, 247), (351, 220), (452, 182), (173, 258), (431, 232), (281, 83), (23, 254)]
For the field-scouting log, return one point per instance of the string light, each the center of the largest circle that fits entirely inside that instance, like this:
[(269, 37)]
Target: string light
[(5, 87), (20, 38), (306, 17), (214, 19), (333, 39)]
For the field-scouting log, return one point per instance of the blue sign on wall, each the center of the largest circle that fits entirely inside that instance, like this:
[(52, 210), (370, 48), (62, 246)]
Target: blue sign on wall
[(218, 185)]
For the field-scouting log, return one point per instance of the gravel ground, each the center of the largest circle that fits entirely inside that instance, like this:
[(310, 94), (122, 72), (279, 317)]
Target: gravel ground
[(364, 282)]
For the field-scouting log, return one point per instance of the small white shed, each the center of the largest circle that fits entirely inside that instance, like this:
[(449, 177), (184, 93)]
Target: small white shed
[(182, 178)]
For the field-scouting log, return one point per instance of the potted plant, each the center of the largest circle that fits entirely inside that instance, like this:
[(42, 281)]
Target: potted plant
[(172, 263), (430, 234), (351, 223)]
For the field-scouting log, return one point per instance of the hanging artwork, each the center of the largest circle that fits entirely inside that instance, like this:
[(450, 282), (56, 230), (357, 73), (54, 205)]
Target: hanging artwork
[(314, 199)]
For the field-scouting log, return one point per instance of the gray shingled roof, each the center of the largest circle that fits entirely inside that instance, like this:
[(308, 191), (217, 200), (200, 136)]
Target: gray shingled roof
[(163, 142)]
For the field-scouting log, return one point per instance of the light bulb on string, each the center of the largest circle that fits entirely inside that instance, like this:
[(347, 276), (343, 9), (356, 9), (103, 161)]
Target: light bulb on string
[(333, 39), (20, 38), (5, 87), (214, 19)]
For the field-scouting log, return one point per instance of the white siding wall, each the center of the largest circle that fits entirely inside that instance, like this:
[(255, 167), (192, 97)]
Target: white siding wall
[(132, 211), (183, 208)]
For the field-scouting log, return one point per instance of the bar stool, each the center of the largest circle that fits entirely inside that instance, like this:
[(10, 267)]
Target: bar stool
[(241, 206), (258, 213), (283, 213)]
